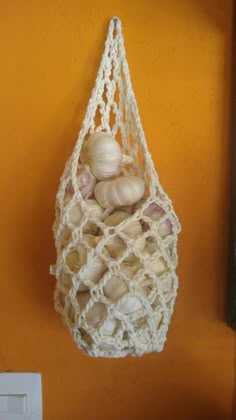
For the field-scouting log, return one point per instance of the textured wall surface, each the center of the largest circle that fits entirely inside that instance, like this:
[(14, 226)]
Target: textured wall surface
[(179, 52)]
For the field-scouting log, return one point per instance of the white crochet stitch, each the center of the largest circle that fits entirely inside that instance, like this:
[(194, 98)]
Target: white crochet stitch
[(133, 318)]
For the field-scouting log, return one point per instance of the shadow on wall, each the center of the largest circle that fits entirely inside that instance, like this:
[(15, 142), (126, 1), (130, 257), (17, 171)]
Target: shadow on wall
[(216, 12)]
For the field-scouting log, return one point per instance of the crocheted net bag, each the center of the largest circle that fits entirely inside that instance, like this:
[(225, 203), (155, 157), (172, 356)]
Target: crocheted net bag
[(150, 291)]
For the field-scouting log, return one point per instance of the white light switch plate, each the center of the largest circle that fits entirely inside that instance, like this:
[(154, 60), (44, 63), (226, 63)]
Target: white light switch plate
[(20, 396)]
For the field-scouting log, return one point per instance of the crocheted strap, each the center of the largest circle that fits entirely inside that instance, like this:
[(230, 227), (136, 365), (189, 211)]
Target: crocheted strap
[(113, 95)]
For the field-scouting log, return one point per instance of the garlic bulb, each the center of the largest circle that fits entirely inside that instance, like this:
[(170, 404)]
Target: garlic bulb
[(75, 215), (65, 236), (106, 346), (122, 191), (109, 326), (76, 258), (133, 230), (153, 210), (78, 255), (151, 246), (93, 272), (159, 266), (62, 299), (68, 195), (103, 154), (115, 288), (127, 209), (165, 228), (116, 218), (157, 319), (166, 285), (129, 304), (96, 313), (65, 279), (85, 182), (115, 246)]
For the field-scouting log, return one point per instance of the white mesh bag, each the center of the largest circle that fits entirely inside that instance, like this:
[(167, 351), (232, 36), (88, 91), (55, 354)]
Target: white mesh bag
[(115, 269)]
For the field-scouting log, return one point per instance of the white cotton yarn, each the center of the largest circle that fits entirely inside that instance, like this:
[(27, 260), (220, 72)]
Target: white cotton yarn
[(134, 318)]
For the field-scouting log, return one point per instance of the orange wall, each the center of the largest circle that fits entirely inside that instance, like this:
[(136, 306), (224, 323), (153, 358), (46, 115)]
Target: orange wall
[(179, 56)]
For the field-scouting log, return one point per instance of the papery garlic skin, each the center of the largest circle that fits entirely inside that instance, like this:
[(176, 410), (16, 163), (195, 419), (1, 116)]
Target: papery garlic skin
[(96, 313), (65, 236), (165, 228), (65, 280), (115, 288), (133, 230), (93, 272), (109, 326), (129, 304), (103, 154), (78, 255), (120, 192), (115, 246), (158, 266), (153, 210), (75, 215), (85, 182), (166, 285), (76, 258)]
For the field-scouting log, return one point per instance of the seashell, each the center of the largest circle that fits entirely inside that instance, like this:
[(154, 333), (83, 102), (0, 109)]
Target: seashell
[(103, 154), (133, 230), (75, 215), (122, 191), (96, 313), (85, 182)]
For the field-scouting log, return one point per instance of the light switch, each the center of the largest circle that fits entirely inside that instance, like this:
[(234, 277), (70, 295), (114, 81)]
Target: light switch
[(13, 404), (20, 396)]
